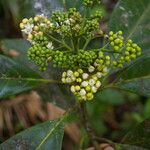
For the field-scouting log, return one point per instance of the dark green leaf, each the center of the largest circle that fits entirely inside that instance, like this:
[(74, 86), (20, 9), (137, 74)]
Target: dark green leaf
[(140, 135), (16, 78), (47, 92), (136, 77), (132, 17), (20, 45), (46, 136)]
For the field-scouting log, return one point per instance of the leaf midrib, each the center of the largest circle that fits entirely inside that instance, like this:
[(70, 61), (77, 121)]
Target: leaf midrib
[(30, 79), (138, 22), (50, 132)]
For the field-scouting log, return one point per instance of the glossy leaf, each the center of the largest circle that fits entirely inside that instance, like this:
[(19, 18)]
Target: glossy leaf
[(16, 78), (140, 135), (47, 135), (132, 17), (20, 45), (136, 77)]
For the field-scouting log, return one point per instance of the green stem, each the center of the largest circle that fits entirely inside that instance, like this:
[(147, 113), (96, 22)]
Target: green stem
[(72, 43), (90, 39), (76, 44), (60, 42), (86, 43), (84, 120), (95, 140)]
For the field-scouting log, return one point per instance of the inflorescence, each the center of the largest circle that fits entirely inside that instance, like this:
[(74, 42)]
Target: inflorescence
[(63, 40)]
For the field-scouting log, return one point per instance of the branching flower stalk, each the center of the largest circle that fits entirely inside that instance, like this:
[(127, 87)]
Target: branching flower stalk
[(65, 41)]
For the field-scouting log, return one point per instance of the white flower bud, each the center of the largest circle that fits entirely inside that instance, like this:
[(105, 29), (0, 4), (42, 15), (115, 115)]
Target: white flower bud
[(69, 73), (84, 98), (72, 89), (42, 24), (67, 22), (50, 45), (91, 82), (85, 75), (82, 92), (98, 84), (25, 20), (93, 89), (63, 80), (73, 78), (28, 28), (49, 58), (68, 80), (91, 69), (95, 64), (99, 74), (84, 83), (64, 74), (105, 70)]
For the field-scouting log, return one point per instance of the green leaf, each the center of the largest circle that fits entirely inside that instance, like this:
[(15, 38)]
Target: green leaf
[(47, 135), (20, 45), (140, 135), (47, 92), (110, 96), (132, 17), (136, 77), (16, 78)]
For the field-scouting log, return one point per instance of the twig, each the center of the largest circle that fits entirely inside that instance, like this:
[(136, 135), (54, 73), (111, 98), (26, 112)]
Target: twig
[(86, 124)]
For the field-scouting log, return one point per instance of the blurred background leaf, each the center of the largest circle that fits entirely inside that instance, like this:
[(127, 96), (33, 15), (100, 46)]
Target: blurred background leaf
[(16, 78), (140, 135)]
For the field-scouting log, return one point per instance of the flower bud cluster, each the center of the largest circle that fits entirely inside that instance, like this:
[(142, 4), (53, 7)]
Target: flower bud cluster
[(102, 62), (127, 50), (63, 59), (131, 51), (116, 40), (83, 85), (40, 55), (59, 40), (67, 24), (35, 26), (91, 27), (85, 58), (91, 2), (71, 23), (96, 15)]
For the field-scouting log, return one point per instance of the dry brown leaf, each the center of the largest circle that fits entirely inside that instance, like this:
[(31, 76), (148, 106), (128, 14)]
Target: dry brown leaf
[(1, 122), (34, 107), (8, 120), (29, 110)]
